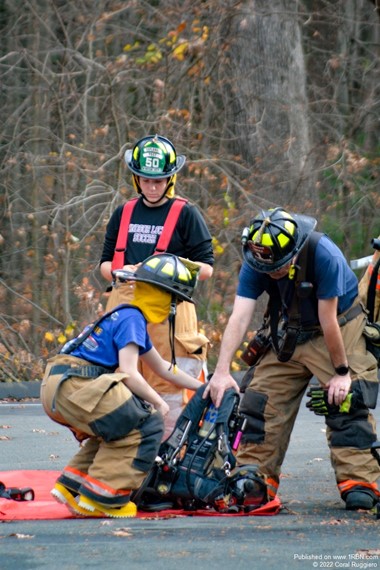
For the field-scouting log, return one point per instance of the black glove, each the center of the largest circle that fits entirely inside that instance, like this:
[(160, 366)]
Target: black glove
[(319, 405)]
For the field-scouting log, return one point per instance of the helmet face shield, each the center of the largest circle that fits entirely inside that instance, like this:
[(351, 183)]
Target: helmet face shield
[(274, 238), (262, 253)]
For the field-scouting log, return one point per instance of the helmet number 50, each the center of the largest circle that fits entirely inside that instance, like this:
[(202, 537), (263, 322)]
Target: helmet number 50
[(152, 162)]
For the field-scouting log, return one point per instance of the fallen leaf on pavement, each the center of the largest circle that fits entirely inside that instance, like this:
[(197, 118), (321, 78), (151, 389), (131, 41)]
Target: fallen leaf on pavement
[(122, 532), (368, 553), (334, 522)]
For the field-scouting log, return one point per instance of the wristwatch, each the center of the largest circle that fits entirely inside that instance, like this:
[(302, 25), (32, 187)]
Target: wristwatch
[(342, 370)]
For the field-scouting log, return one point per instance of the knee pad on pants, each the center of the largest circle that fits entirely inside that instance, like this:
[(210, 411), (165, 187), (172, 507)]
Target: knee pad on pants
[(351, 430), (151, 431), (252, 407)]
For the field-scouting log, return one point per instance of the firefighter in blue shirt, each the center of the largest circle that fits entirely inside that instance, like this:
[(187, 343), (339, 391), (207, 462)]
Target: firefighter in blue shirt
[(94, 387), (316, 329)]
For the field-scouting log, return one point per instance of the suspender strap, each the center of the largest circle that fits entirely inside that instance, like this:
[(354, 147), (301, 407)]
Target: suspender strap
[(164, 239), (82, 337), (372, 291), (170, 224), (91, 371), (122, 236)]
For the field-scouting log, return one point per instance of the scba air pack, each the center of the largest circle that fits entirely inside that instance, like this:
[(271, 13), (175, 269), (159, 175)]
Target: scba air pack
[(196, 465)]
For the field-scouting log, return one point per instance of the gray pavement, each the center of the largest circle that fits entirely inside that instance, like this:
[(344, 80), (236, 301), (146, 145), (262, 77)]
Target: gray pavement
[(312, 531)]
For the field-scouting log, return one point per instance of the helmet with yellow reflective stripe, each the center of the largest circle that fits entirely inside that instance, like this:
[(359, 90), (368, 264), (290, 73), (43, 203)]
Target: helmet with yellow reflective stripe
[(154, 157), (169, 272), (274, 238)]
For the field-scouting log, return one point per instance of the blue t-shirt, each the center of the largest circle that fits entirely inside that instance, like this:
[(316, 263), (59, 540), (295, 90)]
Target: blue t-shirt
[(124, 326), (332, 277)]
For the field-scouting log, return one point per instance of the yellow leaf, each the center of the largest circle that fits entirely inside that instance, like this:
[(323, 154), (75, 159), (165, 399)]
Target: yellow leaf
[(61, 339), (218, 249), (69, 329), (180, 51), (49, 337), (129, 47)]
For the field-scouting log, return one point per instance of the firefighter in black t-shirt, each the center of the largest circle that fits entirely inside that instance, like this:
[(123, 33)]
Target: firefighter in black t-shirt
[(154, 164)]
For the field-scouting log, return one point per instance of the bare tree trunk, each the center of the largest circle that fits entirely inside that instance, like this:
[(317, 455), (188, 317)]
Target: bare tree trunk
[(269, 106)]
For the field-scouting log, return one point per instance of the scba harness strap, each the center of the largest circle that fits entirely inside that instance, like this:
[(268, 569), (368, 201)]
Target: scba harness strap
[(302, 283)]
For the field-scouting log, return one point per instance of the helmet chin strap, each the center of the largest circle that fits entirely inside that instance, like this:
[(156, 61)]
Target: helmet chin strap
[(153, 201)]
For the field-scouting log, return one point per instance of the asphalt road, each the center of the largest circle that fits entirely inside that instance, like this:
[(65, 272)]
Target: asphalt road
[(312, 531)]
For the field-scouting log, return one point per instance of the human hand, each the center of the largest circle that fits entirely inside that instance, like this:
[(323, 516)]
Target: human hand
[(131, 268), (320, 405), (338, 388), (217, 385), (163, 408)]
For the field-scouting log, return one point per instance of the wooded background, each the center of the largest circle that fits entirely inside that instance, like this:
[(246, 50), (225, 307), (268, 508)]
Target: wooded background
[(273, 103)]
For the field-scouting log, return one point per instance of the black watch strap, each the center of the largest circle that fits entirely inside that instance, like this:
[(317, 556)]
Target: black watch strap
[(342, 370)]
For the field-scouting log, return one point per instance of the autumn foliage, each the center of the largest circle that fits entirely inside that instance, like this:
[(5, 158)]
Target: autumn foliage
[(269, 103)]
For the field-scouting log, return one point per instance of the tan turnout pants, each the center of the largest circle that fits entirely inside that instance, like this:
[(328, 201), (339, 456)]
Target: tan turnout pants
[(121, 434), (274, 396)]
